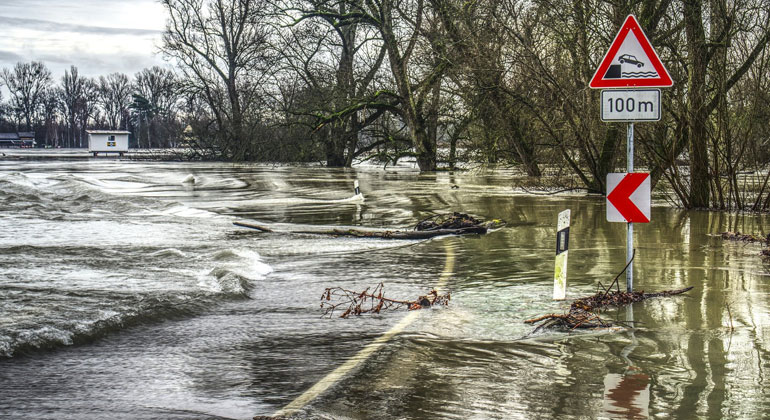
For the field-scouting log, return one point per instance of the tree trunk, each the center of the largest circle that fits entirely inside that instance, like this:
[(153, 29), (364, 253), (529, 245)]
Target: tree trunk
[(700, 189), (425, 150)]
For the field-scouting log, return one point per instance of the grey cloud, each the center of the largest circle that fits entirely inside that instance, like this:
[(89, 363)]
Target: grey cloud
[(50, 26), (7, 56), (90, 65)]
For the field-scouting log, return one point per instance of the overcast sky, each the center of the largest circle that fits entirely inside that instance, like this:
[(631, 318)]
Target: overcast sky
[(96, 36)]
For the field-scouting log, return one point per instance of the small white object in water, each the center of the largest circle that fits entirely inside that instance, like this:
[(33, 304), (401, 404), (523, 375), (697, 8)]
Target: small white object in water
[(189, 179)]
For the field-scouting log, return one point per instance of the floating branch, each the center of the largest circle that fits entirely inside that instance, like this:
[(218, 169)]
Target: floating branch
[(456, 221), (584, 312), (357, 303), (601, 300), (744, 237), (454, 224)]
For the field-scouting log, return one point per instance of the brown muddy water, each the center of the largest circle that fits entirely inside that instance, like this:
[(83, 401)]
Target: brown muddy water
[(126, 293)]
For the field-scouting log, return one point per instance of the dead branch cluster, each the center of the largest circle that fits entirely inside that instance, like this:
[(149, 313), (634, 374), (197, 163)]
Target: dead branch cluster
[(457, 221), (357, 303), (584, 312), (749, 238), (745, 237)]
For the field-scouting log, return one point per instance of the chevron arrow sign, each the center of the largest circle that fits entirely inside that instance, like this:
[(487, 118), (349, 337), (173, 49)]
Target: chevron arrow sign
[(628, 197)]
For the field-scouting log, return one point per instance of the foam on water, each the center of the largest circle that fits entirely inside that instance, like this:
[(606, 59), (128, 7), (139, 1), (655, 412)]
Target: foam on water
[(89, 254), (235, 271)]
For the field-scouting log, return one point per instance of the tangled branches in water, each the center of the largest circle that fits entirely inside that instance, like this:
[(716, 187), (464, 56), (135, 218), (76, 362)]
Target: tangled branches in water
[(584, 312), (745, 237), (457, 221), (749, 238), (357, 303)]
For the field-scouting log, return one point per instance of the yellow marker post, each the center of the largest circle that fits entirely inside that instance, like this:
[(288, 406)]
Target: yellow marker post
[(562, 246)]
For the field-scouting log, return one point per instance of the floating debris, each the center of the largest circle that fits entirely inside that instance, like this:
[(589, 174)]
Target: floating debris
[(744, 237), (584, 312), (440, 225), (457, 221), (358, 303)]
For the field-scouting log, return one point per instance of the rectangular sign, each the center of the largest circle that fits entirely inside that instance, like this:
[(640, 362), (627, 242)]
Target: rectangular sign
[(631, 105), (562, 251)]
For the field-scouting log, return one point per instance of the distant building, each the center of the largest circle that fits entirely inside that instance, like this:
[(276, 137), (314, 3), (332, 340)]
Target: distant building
[(107, 141), (24, 139)]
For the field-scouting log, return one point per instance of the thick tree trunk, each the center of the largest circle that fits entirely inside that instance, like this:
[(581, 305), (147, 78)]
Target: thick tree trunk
[(700, 188), (344, 91), (424, 146), (335, 149)]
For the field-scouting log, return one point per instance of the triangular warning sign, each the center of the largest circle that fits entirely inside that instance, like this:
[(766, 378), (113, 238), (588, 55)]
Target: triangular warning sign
[(631, 61)]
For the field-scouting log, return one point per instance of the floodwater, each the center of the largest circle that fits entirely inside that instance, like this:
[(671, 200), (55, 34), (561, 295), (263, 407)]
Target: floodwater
[(126, 293)]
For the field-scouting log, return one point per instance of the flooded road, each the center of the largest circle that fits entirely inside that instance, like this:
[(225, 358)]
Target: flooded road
[(128, 293)]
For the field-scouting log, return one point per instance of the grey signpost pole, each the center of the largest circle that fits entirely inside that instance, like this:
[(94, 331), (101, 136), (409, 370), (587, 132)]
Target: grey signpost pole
[(630, 231), (630, 63)]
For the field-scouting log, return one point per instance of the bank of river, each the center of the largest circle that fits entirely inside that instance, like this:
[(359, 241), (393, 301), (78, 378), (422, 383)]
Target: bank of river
[(128, 293)]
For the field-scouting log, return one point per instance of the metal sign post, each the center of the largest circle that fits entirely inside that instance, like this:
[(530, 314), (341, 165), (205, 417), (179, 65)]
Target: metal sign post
[(630, 63), (630, 229)]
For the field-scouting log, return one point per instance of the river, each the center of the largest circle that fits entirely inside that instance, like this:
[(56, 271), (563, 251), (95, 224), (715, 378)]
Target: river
[(127, 293)]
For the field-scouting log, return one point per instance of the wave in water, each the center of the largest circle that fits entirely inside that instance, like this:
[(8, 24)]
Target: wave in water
[(642, 74), (49, 314)]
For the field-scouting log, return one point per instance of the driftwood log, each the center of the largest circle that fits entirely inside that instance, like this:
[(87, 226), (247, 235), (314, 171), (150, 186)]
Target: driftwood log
[(441, 225)]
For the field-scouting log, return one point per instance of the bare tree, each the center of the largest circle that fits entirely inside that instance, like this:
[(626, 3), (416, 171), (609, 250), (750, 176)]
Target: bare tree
[(70, 98), (221, 48), (337, 63), (710, 28), (479, 34), (114, 97), (27, 82), (87, 108), (50, 116), (155, 97), (402, 26)]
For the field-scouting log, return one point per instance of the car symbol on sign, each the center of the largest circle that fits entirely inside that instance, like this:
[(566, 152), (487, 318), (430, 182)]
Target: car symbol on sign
[(628, 58)]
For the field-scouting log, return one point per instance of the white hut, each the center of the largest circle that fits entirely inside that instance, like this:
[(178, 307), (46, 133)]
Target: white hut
[(106, 141)]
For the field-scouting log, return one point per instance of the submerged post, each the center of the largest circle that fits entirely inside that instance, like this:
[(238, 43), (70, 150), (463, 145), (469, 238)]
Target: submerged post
[(562, 247), (356, 190), (630, 229)]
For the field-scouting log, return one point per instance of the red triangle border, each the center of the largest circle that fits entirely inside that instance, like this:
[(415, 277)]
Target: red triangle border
[(631, 24)]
